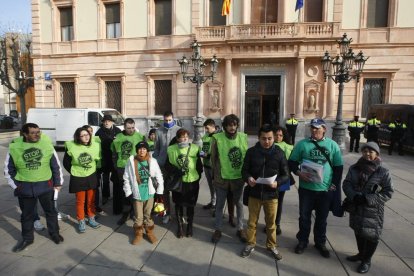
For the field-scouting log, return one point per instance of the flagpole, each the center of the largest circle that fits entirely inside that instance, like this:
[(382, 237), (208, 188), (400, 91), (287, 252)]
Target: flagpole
[(265, 31)]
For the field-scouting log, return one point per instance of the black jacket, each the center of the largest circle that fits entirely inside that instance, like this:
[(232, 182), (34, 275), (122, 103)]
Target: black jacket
[(259, 162), (107, 136)]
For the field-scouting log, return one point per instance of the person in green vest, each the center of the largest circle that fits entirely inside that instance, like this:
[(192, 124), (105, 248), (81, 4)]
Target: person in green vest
[(140, 173), (210, 129), (227, 154), (152, 136), (81, 159), (373, 126), (122, 148), (355, 129), (291, 126), (282, 141), (183, 159), (32, 169), (96, 139), (398, 130)]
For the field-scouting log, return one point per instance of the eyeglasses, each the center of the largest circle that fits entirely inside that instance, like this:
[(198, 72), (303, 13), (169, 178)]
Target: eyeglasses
[(85, 135)]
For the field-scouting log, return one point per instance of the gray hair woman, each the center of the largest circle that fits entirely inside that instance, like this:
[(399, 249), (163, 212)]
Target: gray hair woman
[(368, 185)]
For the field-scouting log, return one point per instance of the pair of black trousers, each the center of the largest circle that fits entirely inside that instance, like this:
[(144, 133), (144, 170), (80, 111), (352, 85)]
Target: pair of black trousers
[(366, 248), (279, 207), (28, 206)]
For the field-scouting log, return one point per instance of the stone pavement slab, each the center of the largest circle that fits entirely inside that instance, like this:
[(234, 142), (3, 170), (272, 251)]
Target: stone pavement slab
[(107, 250)]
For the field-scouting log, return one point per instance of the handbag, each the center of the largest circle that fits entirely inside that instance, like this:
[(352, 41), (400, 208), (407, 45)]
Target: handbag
[(174, 181), (348, 205)]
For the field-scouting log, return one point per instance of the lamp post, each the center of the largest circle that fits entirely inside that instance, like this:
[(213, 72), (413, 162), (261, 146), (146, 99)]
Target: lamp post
[(345, 67), (198, 65)]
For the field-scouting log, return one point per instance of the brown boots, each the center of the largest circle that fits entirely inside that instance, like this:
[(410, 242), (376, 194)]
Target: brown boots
[(139, 232), (150, 234)]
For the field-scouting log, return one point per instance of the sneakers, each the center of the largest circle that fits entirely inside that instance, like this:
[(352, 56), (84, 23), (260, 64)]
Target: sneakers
[(364, 267), (59, 216), (99, 211), (242, 235), (247, 251), (92, 223), (275, 253), (216, 236), (38, 226), (323, 250), (166, 219), (300, 247), (82, 226)]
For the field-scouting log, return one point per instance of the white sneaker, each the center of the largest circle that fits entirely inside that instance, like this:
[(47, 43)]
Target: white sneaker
[(166, 219), (38, 226), (59, 216)]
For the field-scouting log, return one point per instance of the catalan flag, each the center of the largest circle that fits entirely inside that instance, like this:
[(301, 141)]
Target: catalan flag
[(226, 7)]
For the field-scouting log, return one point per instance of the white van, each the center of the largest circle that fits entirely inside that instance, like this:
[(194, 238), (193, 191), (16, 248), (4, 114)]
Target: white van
[(60, 123)]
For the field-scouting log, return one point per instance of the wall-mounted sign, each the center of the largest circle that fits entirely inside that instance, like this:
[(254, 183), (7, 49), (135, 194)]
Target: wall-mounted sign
[(48, 76)]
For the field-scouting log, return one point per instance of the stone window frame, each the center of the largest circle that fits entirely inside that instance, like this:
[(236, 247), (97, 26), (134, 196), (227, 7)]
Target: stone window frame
[(102, 17), (57, 79), (56, 5), (151, 17), (161, 75), (392, 14), (115, 76)]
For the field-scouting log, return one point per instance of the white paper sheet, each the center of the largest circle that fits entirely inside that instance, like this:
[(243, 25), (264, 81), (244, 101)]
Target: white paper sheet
[(266, 180)]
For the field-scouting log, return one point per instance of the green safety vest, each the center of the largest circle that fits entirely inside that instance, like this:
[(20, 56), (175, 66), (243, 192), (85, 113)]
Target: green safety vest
[(373, 122), (231, 154), (292, 121), (206, 148), (84, 158), (177, 157), (32, 160), (287, 149), (124, 146), (356, 124), (151, 145), (395, 125)]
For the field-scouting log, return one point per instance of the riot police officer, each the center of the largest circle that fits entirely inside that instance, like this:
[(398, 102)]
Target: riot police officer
[(355, 128)]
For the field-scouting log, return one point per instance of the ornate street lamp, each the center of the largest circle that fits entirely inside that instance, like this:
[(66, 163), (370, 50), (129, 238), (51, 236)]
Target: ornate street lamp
[(344, 67), (198, 65)]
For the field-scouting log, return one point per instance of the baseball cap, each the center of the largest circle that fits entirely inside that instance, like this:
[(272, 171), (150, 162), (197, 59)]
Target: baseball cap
[(317, 123), (107, 118)]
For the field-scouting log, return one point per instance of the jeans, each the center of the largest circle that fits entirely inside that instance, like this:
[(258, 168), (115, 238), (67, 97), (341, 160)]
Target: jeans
[(221, 200), (308, 201), (28, 212), (208, 172), (270, 209)]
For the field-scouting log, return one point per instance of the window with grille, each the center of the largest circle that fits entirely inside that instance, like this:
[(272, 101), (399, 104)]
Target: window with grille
[(313, 11), (163, 17), (215, 17), (66, 24), (264, 11), (374, 92), (113, 95), (113, 21), (377, 13), (163, 96), (67, 94)]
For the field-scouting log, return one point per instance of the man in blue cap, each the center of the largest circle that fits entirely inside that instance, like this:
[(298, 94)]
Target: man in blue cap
[(317, 161)]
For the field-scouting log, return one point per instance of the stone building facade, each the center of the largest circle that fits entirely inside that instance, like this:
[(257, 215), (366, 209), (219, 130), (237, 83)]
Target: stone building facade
[(123, 54)]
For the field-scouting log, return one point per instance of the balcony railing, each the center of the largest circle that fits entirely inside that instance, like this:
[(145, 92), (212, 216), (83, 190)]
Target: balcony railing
[(277, 30)]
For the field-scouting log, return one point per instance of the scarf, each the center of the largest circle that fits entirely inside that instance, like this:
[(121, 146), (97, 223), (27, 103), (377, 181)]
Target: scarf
[(366, 169), (183, 145), (169, 125), (140, 159)]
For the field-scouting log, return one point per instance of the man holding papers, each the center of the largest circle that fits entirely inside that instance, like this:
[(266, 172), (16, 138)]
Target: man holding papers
[(264, 166), (318, 163)]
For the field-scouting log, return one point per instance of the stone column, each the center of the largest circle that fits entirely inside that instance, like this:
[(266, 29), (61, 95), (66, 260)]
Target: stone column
[(300, 91), (228, 94)]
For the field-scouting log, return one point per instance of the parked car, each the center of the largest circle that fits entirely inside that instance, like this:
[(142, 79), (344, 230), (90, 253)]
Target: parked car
[(60, 123), (387, 113)]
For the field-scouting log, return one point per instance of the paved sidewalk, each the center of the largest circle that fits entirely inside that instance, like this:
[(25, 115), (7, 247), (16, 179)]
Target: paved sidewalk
[(108, 250)]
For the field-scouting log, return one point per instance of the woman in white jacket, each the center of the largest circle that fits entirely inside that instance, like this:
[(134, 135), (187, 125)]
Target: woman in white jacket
[(138, 182)]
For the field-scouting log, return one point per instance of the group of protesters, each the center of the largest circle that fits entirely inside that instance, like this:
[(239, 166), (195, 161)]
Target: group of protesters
[(146, 169)]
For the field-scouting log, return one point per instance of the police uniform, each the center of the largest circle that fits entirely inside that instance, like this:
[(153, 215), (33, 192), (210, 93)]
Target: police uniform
[(398, 130), (355, 128), (373, 126), (291, 126)]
